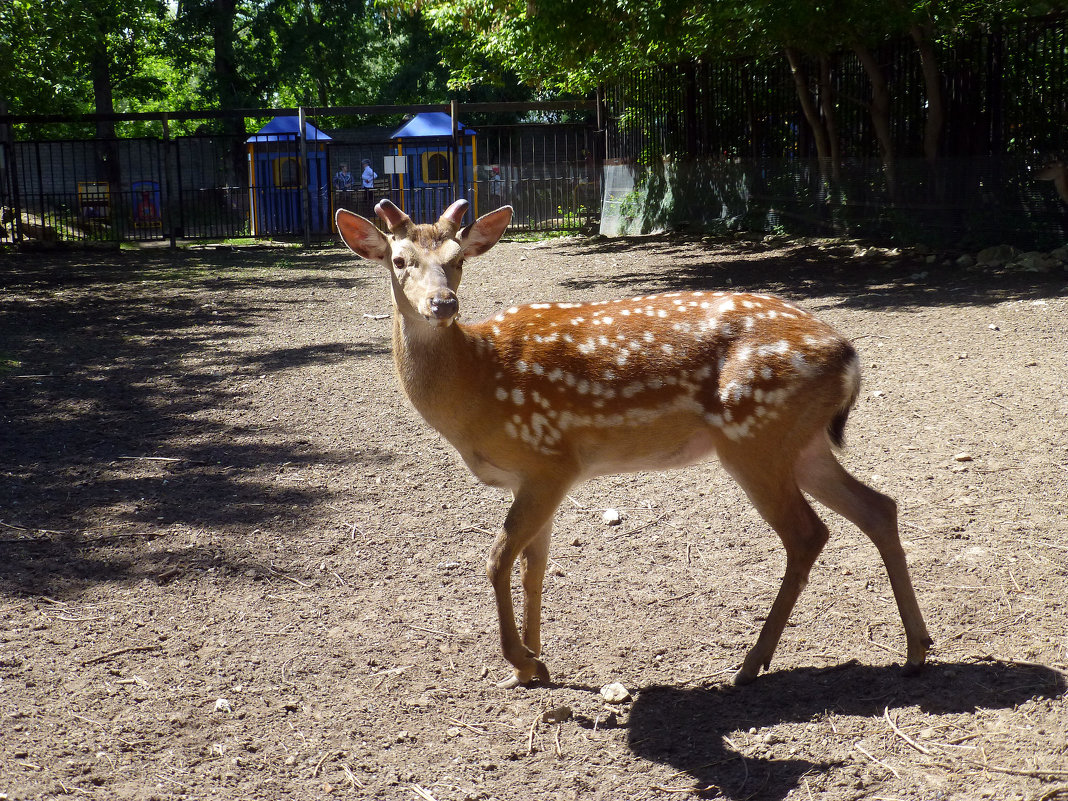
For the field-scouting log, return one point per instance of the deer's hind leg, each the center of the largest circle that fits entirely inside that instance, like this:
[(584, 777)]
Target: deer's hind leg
[(821, 475)]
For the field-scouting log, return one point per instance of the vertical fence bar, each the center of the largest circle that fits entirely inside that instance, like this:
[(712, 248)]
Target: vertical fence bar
[(167, 201), (304, 176)]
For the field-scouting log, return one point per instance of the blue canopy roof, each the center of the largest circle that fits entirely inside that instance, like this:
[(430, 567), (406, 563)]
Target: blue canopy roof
[(287, 129), (430, 123)]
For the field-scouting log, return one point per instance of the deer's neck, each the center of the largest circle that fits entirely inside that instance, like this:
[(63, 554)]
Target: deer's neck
[(437, 368)]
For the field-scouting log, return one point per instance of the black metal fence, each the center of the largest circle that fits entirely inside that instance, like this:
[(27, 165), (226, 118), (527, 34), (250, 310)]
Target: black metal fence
[(223, 187), (1005, 92), (725, 143)]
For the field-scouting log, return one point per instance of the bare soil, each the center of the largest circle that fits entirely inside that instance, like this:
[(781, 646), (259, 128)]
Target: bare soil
[(234, 563)]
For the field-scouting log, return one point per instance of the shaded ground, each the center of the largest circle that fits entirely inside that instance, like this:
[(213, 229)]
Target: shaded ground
[(235, 564)]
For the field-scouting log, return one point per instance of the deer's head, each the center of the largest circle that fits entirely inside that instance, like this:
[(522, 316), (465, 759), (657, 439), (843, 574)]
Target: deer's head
[(425, 261)]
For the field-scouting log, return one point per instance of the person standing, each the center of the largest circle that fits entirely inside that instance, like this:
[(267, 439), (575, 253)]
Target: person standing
[(367, 178), (496, 187), (343, 179)]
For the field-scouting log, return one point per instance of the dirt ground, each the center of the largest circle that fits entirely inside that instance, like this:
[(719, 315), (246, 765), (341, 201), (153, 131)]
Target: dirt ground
[(234, 563)]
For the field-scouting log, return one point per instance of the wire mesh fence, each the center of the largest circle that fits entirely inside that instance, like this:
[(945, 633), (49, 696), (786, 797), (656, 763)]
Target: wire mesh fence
[(219, 186), (726, 143)]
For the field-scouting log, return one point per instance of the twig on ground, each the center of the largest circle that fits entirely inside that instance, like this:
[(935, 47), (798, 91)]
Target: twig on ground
[(419, 791), (431, 631), (902, 735), (131, 650), (530, 734), (150, 459), (319, 764), (864, 751), (477, 529), (1033, 774), (353, 781), (103, 727), (471, 726), (280, 574)]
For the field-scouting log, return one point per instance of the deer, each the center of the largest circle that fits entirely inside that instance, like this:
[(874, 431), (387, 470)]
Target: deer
[(541, 397), (1057, 171)]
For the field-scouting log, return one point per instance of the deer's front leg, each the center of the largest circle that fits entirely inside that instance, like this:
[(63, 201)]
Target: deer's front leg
[(532, 564), (526, 531)]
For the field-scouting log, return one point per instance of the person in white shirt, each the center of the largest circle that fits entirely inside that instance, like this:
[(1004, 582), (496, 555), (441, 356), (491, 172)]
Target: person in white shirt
[(368, 180)]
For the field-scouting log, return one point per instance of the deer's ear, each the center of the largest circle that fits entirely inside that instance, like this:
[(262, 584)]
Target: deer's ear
[(362, 237), (485, 232)]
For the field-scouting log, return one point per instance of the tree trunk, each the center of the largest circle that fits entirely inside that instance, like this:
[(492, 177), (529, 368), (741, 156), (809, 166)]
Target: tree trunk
[(830, 120), (103, 99), (932, 78), (808, 105), (222, 32), (879, 108)]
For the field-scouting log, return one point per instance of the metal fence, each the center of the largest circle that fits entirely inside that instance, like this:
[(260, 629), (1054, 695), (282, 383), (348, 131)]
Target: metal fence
[(1005, 92), (725, 144), (221, 187)]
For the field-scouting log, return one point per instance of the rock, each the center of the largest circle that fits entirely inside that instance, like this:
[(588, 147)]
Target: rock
[(615, 693), (222, 705), (557, 715), (1060, 254), (963, 457), (965, 261), (611, 517), (1033, 262), (996, 256)]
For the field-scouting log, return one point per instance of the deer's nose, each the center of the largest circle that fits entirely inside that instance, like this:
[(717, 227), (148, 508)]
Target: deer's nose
[(444, 307)]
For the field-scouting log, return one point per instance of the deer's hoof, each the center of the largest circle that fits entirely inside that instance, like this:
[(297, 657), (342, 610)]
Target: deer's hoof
[(534, 673), (912, 668), (743, 677), (917, 656)]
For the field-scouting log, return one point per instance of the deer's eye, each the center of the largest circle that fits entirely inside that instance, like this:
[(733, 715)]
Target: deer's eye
[(398, 262)]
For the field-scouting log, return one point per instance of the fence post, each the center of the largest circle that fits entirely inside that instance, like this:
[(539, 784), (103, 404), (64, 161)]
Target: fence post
[(168, 207), (453, 110), (305, 199)]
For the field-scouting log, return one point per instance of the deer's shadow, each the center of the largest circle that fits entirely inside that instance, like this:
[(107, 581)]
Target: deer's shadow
[(688, 728)]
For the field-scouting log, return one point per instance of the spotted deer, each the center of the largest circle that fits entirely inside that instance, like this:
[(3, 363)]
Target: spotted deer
[(541, 397)]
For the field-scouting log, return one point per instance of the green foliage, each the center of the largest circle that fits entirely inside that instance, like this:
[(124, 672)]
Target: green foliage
[(574, 45), (163, 55)]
